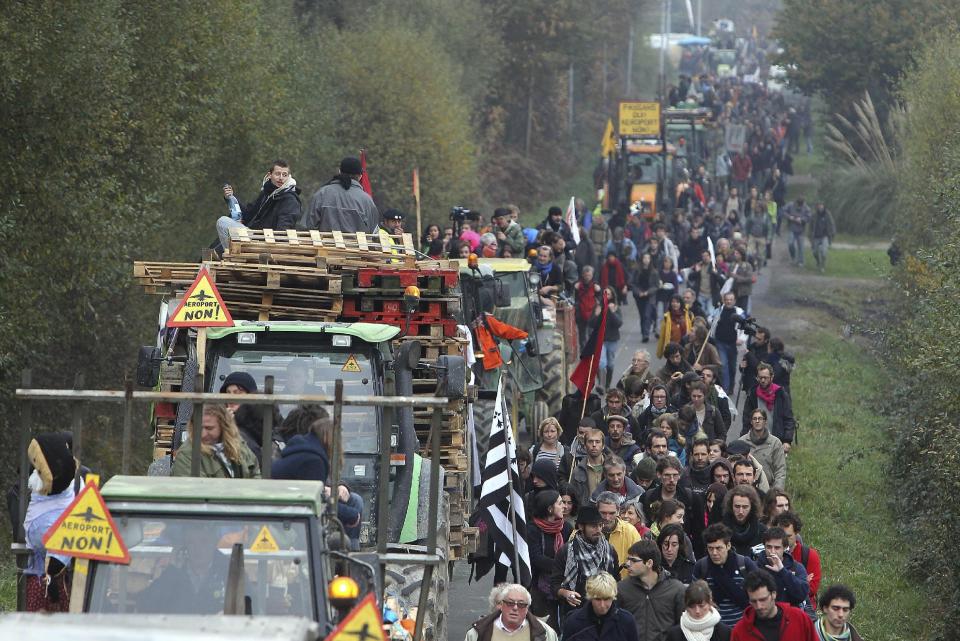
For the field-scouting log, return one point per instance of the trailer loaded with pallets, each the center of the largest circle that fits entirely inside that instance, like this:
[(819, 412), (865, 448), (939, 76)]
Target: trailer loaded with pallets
[(329, 306)]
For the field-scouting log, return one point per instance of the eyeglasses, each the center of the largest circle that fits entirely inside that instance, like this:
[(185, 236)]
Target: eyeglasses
[(758, 419), (633, 559), (520, 605)]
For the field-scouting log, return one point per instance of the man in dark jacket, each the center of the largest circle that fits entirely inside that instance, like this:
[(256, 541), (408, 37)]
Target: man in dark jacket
[(790, 575), (650, 594), (554, 222), (342, 204), (277, 207), (822, 231), (776, 400), (658, 407), (601, 617), (586, 554), (616, 402), (724, 571)]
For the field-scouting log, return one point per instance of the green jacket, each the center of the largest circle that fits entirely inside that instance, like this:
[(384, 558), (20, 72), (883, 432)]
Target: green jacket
[(211, 467), (515, 238)]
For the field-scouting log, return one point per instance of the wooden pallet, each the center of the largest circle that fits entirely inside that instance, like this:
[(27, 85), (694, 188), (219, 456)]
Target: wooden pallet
[(329, 250), (396, 280)]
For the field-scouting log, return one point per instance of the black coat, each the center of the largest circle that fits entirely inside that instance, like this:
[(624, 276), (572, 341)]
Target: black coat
[(273, 209), (783, 425), (584, 625)]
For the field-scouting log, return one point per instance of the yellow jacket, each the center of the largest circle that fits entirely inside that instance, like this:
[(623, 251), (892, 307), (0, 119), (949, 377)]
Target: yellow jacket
[(665, 329)]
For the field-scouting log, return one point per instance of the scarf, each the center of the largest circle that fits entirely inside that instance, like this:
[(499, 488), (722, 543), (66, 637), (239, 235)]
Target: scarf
[(743, 535), (41, 504), (826, 636), (552, 527), (699, 629), (585, 560), (768, 395), (544, 271)]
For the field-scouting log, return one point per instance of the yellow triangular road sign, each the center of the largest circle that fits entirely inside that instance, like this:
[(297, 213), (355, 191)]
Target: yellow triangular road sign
[(362, 624), (264, 541), (202, 305), (87, 531), (351, 365)]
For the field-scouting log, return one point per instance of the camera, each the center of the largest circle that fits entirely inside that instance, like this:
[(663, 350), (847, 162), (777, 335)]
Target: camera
[(749, 325), (459, 214)]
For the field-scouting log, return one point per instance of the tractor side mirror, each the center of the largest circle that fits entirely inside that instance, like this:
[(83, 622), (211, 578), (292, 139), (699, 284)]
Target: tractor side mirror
[(452, 376), (148, 366), (503, 294)]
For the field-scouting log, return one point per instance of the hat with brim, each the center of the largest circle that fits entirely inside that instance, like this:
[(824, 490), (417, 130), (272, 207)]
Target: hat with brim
[(589, 515)]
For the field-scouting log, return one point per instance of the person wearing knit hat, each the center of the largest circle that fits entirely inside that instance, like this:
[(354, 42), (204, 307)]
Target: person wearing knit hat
[(645, 473), (51, 492), (238, 383)]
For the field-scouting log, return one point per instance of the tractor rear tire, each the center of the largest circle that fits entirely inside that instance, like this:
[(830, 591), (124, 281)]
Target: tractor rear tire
[(554, 379), (403, 582)]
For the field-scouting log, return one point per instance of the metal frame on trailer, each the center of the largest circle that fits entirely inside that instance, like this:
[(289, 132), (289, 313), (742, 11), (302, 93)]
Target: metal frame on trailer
[(128, 397)]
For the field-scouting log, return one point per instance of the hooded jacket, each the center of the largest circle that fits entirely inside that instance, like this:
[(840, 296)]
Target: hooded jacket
[(275, 207), (656, 609), (304, 458), (792, 584)]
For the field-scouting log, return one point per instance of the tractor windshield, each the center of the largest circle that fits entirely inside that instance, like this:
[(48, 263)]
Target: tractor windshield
[(303, 370), (180, 566)]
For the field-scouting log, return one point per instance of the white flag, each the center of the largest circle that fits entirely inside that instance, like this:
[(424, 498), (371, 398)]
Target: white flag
[(571, 219)]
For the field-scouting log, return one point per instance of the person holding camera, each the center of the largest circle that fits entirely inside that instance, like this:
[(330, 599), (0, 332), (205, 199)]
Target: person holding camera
[(727, 339), (509, 232)]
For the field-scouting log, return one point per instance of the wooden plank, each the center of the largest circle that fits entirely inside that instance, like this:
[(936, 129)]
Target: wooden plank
[(361, 241), (268, 236), (292, 237), (315, 238), (338, 240)]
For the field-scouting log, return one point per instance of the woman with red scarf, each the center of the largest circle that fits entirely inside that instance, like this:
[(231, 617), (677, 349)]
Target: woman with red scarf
[(546, 534)]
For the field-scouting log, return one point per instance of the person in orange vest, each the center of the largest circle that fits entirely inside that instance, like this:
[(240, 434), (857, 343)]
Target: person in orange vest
[(487, 329)]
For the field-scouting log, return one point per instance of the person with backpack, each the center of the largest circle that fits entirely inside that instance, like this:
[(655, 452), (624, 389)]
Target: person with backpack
[(725, 572), (808, 556)]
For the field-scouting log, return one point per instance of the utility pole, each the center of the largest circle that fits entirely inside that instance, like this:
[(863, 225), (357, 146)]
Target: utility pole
[(663, 48), (570, 99), (629, 88), (699, 17)]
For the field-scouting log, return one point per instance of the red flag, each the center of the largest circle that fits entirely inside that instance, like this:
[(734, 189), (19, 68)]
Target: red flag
[(365, 177), (585, 374)]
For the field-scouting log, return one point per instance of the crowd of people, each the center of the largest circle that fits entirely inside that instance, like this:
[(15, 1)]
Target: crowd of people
[(646, 521)]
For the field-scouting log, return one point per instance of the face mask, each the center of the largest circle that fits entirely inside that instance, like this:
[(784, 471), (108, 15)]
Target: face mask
[(35, 483)]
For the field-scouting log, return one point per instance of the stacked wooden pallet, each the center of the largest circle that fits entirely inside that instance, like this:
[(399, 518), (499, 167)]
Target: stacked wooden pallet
[(314, 276)]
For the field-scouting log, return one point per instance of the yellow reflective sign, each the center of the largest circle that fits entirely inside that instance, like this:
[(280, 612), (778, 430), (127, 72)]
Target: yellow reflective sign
[(202, 306), (264, 541), (362, 624), (86, 530), (639, 118)]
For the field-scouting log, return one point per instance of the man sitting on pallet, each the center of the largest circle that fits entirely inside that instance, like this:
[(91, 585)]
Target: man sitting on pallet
[(342, 204), (277, 206)]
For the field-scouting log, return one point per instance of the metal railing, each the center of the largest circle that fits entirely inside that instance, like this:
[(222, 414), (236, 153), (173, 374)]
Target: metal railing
[(129, 397)]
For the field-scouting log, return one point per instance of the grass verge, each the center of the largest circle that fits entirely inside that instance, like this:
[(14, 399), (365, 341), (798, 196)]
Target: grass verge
[(851, 263), (8, 575)]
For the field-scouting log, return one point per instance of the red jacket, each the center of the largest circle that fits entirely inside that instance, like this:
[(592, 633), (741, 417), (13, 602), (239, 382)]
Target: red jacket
[(618, 280), (742, 166), (587, 299), (813, 567), (794, 626)]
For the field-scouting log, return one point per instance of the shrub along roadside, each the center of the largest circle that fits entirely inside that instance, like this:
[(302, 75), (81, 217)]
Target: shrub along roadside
[(840, 486)]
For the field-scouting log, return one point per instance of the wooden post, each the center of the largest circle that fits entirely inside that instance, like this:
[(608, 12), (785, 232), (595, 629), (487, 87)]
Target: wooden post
[(127, 425), (266, 449), (76, 424), (196, 428)]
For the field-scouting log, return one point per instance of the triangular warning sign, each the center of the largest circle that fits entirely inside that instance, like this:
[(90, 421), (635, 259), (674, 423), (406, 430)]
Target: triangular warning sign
[(264, 541), (86, 530), (202, 305), (351, 365), (362, 624)]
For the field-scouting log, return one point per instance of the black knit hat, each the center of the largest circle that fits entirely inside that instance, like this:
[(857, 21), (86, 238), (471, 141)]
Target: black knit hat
[(51, 456), (240, 379), (393, 214), (351, 166)]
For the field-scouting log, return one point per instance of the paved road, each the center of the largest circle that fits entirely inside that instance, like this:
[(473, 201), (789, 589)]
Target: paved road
[(467, 603)]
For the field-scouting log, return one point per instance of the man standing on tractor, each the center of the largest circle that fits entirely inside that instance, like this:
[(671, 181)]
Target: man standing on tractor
[(342, 204)]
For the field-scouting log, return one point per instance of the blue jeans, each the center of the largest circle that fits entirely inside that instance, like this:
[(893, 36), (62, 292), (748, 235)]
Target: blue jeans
[(224, 225), (820, 246), (728, 365), (608, 354), (796, 247), (647, 307), (706, 302)]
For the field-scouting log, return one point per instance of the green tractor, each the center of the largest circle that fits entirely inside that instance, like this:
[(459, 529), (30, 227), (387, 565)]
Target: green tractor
[(536, 370)]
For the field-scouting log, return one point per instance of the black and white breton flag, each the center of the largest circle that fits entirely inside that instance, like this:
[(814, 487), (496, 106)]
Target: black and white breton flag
[(500, 487)]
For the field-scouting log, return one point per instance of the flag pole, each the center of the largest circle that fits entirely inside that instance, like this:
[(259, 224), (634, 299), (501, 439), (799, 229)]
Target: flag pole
[(416, 199), (583, 410), (513, 514)]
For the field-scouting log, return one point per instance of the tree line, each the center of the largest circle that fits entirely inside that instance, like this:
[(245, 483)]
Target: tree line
[(123, 119), (890, 78)]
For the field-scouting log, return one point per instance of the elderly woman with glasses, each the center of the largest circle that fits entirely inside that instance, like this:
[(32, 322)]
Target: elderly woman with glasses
[(600, 617), (510, 617)]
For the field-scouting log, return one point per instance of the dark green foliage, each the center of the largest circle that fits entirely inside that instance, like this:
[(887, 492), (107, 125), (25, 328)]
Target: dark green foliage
[(922, 345)]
